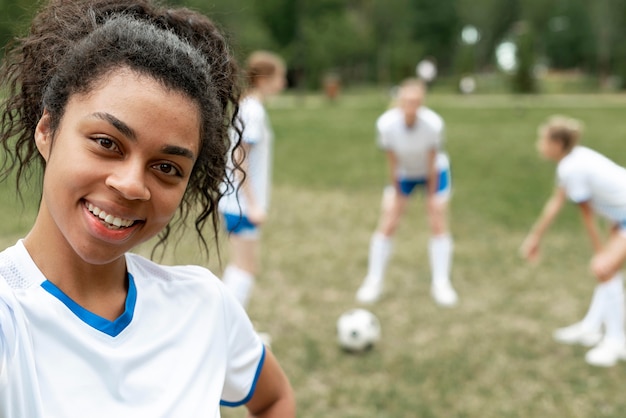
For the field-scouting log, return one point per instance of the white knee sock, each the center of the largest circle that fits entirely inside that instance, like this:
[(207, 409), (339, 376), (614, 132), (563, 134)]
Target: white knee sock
[(240, 283), (613, 300), (440, 251), (380, 252), (594, 317)]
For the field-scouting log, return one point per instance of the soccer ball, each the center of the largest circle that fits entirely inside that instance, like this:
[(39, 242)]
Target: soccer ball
[(357, 330)]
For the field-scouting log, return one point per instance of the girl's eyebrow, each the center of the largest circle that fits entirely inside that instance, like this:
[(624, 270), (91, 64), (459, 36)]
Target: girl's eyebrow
[(127, 131), (117, 124), (176, 150)]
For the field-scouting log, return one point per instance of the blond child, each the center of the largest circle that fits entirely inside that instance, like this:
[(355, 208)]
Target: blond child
[(598, 186)]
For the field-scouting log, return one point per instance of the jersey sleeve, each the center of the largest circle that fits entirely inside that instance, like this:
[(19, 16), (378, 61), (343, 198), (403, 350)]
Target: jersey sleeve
[(383, 139), (245, 358), (441, 138), (7, 329), (7, 337), (576, 186)]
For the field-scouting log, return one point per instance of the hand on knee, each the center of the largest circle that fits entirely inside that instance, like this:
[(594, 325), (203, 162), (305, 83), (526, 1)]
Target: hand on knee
[(603, 268)]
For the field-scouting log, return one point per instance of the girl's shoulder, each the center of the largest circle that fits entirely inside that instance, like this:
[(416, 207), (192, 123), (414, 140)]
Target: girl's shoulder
[(582, 160), (431, 118), (391, 118), (17, 268), (251, 104), (144, 269)]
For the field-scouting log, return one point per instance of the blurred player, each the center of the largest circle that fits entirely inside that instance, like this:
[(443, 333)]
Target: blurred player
[(597, 185), (412, 136), (246, 202)]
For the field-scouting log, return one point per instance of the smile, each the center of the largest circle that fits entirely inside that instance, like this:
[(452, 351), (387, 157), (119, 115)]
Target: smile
[(110, 221)]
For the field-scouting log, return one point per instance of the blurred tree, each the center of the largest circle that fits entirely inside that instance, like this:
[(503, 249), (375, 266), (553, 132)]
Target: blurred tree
[(335, 41), (493, 19), (281, 17), (568, 39), (391, 24), (609, 22), (14, 18), (618, 12), (437, 27), (523, 79), (381, 41)]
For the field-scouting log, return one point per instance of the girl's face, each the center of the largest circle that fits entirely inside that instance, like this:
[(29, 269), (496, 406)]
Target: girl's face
[(117, 167), (275, 83), (548, 148), (410, 99)]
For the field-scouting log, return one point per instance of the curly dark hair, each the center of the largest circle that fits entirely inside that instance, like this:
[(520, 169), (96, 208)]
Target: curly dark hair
[(73, 44)]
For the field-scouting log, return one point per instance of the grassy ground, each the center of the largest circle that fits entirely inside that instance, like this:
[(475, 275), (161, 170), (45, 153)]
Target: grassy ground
[(492, 356)]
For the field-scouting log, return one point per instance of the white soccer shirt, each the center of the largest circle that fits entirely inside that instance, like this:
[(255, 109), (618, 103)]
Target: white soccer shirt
[(257, 132), (587, 175), (411, 145), (183, 345)]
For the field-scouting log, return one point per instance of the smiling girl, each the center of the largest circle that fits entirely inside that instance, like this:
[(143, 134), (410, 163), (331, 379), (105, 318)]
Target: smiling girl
[(126, 106)]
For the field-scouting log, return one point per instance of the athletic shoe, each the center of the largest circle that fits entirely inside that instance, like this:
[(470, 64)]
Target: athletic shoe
[(444, 294), (577, 334), (607, 353), (369, 292)]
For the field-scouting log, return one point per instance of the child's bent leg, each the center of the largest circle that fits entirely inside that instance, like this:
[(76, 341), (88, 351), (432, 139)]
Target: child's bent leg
[(610, 259), (594, 317), (440, 249), (239, 275), (379, 254), (239, 282), (393, 206), (613, 346), (613, 300)]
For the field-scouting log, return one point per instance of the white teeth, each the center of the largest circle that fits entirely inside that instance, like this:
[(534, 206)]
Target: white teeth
[(111, 220)]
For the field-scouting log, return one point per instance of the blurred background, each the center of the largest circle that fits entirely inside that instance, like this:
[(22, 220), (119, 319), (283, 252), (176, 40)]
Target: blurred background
[(503, 45)]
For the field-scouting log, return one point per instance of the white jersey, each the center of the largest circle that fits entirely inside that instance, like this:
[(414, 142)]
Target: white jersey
[(411, 145), (182, 346), (587, 175), (257, 132)]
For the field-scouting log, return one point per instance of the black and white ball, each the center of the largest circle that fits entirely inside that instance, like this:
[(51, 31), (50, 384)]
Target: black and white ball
[(358, 330)]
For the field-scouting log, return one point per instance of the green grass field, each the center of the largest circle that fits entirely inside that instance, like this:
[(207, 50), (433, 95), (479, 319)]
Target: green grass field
[(492, 356)]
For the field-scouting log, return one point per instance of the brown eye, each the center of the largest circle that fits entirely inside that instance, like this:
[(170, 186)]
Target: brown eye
[(107, 143), (167, 169)]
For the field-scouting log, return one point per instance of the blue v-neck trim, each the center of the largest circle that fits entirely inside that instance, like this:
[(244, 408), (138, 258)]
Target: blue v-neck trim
[(112, 328)]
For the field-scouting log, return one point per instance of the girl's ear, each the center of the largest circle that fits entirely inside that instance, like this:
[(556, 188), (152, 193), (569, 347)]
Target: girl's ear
[(43, 135)]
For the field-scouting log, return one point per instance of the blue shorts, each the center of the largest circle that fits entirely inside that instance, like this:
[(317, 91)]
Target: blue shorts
[(239, 224), (444, 184)]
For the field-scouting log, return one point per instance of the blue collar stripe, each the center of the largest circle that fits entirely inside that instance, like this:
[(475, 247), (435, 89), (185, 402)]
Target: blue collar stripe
[(112, 328)]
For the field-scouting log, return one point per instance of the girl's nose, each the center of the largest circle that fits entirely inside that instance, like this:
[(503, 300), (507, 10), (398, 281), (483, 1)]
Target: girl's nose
[(129, 181)]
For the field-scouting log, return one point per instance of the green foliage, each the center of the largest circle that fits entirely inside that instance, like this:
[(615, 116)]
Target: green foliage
[(523, 80), (437, 27), (282, 19), (381, 41), (14, 18), (568, 36)]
